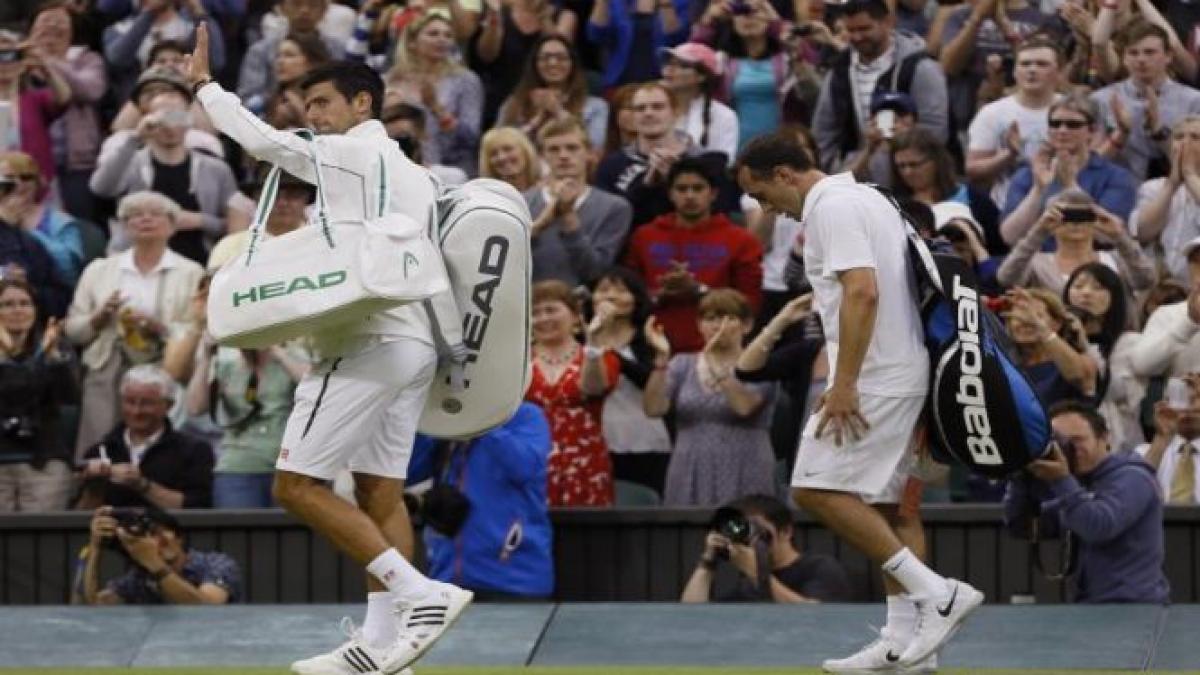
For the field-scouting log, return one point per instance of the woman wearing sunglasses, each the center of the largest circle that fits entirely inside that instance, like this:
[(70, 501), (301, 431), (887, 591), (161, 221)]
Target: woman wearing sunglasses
[(1066, 161), (30, 207)]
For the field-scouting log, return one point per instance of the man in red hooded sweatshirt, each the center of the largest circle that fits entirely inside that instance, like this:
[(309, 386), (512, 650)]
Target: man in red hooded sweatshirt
[(683, 254)]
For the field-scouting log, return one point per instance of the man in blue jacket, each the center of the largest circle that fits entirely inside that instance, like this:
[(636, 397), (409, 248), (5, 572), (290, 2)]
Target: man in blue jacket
[(1108, 502), (487, 526)]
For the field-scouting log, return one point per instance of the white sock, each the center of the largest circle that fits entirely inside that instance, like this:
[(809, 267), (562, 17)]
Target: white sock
[(400, 577), (920, 581), (901, 619), (379, 626)]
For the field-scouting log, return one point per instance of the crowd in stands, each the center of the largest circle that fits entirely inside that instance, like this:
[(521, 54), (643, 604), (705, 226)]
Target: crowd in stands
[(1054, 146)]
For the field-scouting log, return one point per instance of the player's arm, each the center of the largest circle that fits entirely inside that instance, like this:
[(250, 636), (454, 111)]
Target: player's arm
[(231, 118), (856, 324)]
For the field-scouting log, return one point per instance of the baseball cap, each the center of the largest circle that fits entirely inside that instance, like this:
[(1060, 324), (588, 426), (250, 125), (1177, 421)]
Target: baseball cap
[(893, 100), (946, 212), (697, 53), (161, 75)]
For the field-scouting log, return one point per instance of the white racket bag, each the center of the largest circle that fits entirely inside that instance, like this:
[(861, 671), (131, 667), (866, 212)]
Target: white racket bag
[(324, 277), (482, 323)]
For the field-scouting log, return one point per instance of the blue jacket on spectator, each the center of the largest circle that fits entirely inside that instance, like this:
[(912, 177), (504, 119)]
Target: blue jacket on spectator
[(616, 39), (505, 544), (58, 233), (22, 248), (1116, 516), (1111, 185)]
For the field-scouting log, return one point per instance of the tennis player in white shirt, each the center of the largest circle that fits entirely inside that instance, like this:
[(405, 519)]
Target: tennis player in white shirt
[(359, 408), (855, 457)]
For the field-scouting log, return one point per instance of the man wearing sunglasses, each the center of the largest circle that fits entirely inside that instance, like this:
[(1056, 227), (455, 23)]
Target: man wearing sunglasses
[(1066, 161)]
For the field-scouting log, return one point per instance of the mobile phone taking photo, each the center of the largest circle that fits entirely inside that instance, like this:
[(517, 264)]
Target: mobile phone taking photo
[(1078, 214), (1178, 394)]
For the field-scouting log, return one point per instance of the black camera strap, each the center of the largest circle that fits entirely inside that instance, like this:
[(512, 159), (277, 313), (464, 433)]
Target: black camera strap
[(1068, 557)]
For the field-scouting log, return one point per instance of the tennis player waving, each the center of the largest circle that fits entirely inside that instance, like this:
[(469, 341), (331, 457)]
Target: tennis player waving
[(359, 408)]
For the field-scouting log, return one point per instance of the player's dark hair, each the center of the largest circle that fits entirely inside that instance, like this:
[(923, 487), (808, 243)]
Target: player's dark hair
[(1085, 410), (350, 80), (763, 153), (403, 111), (770, 508), (694, 166)]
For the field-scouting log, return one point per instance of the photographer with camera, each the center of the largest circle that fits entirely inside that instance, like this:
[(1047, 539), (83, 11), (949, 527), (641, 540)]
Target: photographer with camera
[(1172, 452), (1107, 504), (163, 570), (1077, 223), (754, 534), (487, 525)]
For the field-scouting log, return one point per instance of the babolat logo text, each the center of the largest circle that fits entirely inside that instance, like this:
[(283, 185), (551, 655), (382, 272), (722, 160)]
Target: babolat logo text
[(277, 289), (980, 443)]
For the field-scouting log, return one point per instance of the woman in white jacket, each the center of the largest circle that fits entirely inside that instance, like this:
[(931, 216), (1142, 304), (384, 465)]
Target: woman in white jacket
[(124, 308)]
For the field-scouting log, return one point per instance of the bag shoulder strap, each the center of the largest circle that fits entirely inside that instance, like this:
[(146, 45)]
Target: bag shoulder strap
[(266, 200), (923, 264)]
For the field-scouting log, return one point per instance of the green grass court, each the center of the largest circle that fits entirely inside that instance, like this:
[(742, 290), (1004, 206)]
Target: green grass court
[(601, 670)]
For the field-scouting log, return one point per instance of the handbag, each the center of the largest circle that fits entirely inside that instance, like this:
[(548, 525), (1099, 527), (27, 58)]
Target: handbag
[(326, 278)]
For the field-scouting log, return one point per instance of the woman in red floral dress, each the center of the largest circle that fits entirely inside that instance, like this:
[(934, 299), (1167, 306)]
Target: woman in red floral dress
[(570, 382)]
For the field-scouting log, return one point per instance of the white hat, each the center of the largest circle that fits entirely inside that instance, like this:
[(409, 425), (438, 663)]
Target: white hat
[(1190, 246), (944, 212)]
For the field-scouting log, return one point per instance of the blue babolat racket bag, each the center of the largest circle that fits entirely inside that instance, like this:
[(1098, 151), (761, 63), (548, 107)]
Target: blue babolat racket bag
[(982, 410)]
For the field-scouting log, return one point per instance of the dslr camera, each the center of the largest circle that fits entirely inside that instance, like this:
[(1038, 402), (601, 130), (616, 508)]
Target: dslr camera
[(732, 524), (134, 520), (18, 427)]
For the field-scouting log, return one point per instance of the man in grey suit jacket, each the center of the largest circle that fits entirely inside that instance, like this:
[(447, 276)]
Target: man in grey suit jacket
[(578, 229)]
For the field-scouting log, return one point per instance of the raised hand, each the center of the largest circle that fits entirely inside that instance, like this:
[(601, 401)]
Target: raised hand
[(1120, 113), (1043, 167), (656, 337), (50, 335), (196, 67), (1051, 219), (1012, 140), (723, 339), (1108, 225), (1153, 121), (797, 309), (601, 321)]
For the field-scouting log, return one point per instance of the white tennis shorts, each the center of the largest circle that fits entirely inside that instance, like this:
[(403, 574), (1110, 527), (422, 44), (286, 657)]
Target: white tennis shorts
[(876, 466), (359, 412)]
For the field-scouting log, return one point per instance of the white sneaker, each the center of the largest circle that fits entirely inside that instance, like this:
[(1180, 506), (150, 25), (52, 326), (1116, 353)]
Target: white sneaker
[(354, 657), (938, 619), (881, 656), (423, 622)]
